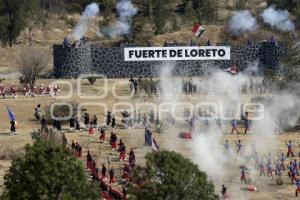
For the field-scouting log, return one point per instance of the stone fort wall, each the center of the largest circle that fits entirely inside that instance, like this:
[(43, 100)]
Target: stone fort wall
[(71, 62)]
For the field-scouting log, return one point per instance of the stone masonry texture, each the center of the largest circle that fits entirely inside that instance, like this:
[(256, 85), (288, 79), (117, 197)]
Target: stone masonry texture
[(71, 62)]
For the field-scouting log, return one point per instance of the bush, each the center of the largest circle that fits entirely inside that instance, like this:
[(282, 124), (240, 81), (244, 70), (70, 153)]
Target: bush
[(92, 80), (63, 17), (61, 111), (49, 135), (32, 62), (74, 7), (70, 22)]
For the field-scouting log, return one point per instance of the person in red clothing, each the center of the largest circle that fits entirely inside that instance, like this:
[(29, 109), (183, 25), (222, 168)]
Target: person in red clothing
[(93, 167), (102, 135), (89, 160), (42, 90), (290, 149), (103, 172), (13, 90), (78, 150), (126, 173), (122, 149), (111, 176), (91, 128), (131, 158), (113, 141)]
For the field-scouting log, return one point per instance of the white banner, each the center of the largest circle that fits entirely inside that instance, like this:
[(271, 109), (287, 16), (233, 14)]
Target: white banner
[(177, 53)]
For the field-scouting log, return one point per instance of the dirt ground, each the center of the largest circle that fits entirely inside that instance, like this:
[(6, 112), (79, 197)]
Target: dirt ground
[(23, 108)]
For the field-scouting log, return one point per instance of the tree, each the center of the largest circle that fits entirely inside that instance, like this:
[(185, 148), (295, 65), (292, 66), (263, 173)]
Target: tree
[(32, 17), (168, 175), (159, 16), (240, 4), (13, 15), (107, 7), (32, 62), (47, 171), (189, 12), (205, 9)]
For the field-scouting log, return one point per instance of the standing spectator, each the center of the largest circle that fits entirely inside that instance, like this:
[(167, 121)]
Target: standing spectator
[(72, 123), (86, 118), (77, 124), (13, 127), (37, 112), (43, 124)]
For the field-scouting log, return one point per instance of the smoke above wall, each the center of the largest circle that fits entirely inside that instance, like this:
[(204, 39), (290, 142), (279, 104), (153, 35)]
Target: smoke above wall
[(278, 18), (241, 22), (90, 12), (126, 10)]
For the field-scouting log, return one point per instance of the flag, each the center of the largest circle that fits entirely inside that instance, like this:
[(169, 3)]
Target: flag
[(233, 70), (198, 30), (154, 147), (11, 114)]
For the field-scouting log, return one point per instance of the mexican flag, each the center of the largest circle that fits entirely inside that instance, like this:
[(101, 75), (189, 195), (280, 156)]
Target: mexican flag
[(198, 30), (233, 70)]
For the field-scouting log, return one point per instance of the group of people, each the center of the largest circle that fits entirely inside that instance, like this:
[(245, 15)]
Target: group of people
[(146, 85), (129, 120), (77, 149), (206, 117), (254, 86), (188, 86), (75, 44), (246, 124), (104, 177), (268, 165), (30, 91)]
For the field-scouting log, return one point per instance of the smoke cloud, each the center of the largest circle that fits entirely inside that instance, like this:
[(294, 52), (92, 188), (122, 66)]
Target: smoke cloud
[(221, 88), (241, 22), (278, 18), (126, 10), (91, 11)]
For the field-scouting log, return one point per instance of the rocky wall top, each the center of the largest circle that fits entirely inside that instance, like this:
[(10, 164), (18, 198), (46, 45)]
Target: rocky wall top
[(70, 62)]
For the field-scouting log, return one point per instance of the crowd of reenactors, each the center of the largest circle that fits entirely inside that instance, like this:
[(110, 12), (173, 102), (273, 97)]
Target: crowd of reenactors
[(29, 91), (191, 86)]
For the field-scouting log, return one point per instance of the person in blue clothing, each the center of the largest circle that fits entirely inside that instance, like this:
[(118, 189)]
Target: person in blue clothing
[(243, 174), (246, 123), (290, 149), (234, 126), (298, 187)]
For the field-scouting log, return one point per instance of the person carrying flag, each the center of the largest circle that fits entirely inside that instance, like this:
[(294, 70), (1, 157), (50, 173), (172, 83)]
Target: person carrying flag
[(198, 30), (233, 70), (13, 122), (13, 127)]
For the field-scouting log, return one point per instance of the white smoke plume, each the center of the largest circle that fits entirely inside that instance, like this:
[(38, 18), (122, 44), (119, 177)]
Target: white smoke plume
[(241, 22), (225, 91), (206, 148), (126, 10), (278, 18), (91, 11)]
